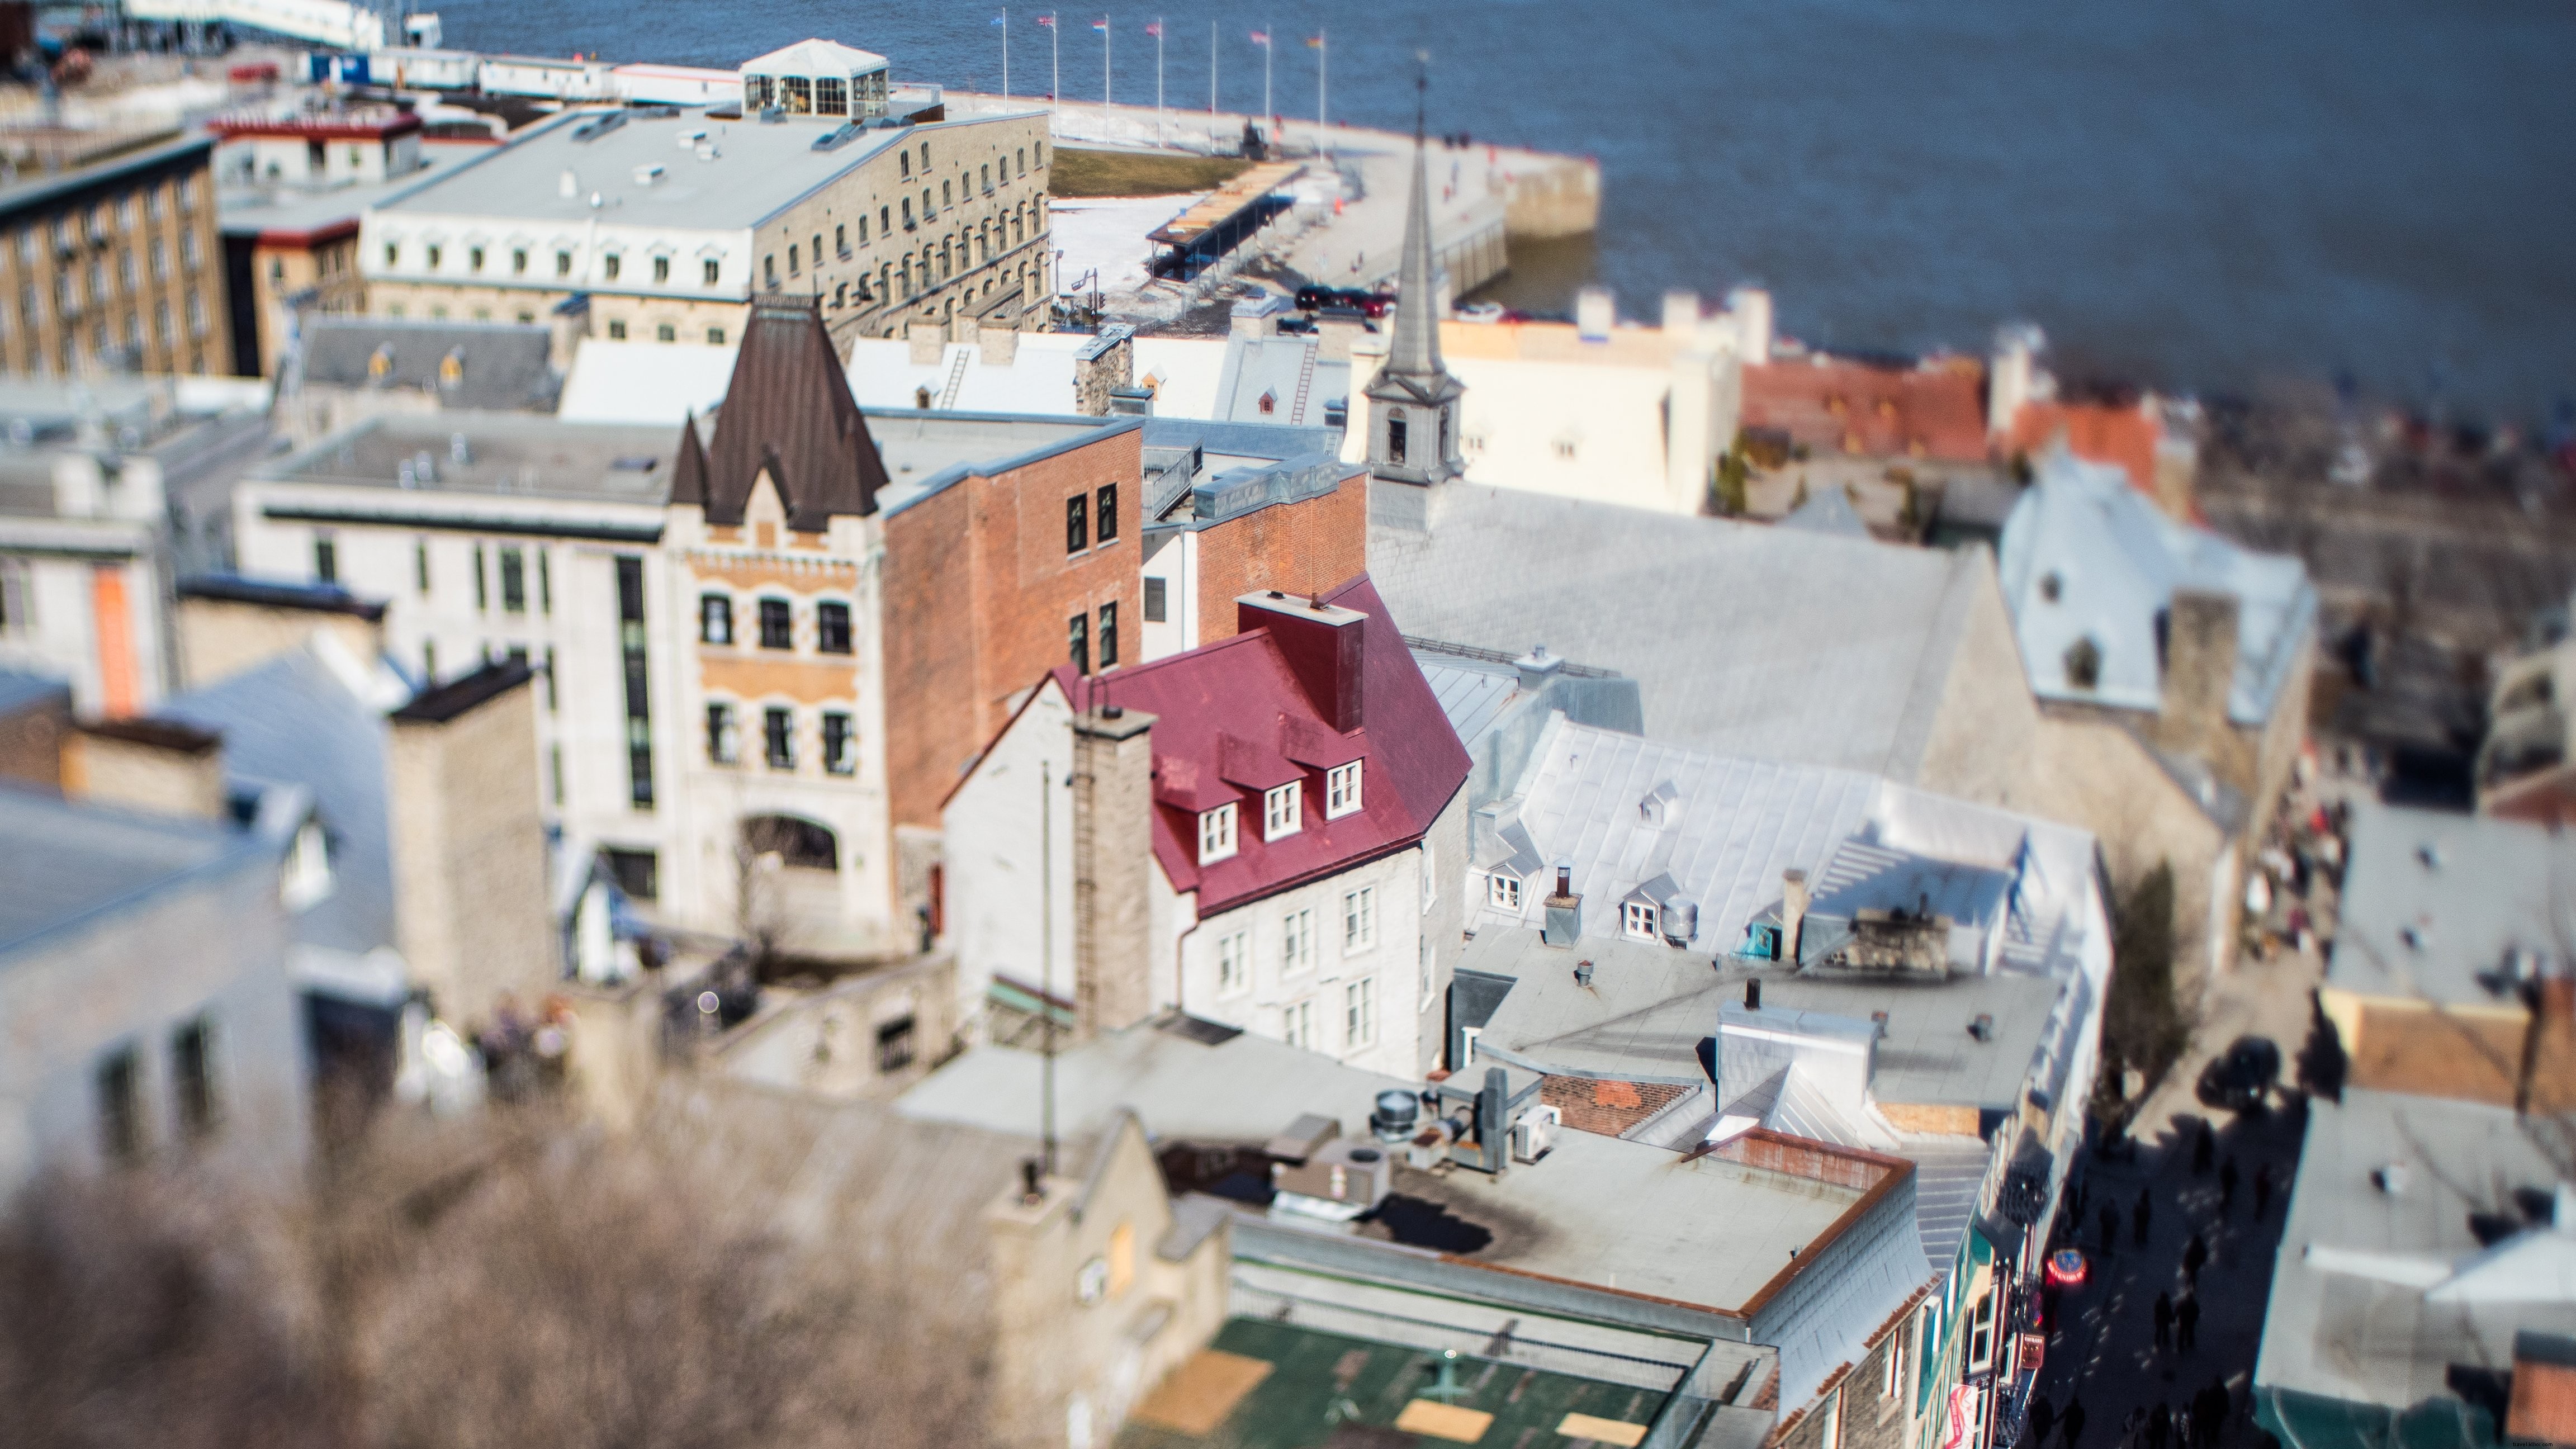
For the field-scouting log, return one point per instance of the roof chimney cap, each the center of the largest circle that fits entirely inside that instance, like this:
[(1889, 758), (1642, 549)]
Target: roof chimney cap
[(1277, 594), (1537, 667), (1753, 993)]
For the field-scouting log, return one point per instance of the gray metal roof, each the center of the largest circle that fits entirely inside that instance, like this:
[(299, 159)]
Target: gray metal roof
[(1745, 639), (499, 365), (292, 722), (2448, 908), (19, 690), (70, 864), (1472, 693), (1290, 371), (2085, 555), (757, 171), (1827, 512), (2350, 1316)]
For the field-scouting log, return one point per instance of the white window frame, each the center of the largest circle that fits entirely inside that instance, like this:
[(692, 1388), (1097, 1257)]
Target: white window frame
[(1297, 1024), (1503, 892), (1637, 920), (1832, 1435), (305, 879), (1297, 941), (1234, 963), (1359, 920), (1981, 1335), (1359, 1012), (1283, 810), (1342, 785), (1217, 834)]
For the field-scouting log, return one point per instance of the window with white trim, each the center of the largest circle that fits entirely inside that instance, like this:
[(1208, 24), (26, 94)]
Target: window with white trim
[(1342, 790), (1503, 892), (1891, 1369), (1981, 1335), (1296, 942), (1282, 810), (1234, 963), (1297, 1024), (1359, 920), (1637, 920), (1359, 1012), (1216, 833), (1832, 1437)]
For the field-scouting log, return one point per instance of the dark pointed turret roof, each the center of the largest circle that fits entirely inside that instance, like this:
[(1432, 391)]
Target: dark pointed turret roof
[(689, 469), (788, 409), (1413, 370)]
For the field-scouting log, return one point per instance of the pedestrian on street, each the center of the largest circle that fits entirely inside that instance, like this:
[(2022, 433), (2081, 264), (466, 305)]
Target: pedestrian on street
[(2159, 1425), (2073, 1423), (2186, 1321), (2204, 1148), (2227, 1185), (2195, 1255), (2043, 1417), (2110, 1228), (2209, 1412), (2138, 1218), (2164, 1314), (2262, 1191)]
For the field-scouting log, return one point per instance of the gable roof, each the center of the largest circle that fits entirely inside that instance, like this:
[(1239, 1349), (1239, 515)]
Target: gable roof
[(1233, 711), (1878, 412), (788, 410), (2085, 555)]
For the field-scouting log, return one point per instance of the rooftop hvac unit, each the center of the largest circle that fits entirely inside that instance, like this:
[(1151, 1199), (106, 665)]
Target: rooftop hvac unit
[(1536, 1132)]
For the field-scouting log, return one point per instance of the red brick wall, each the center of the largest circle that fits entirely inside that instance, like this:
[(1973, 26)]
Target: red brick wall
[(978, 591), (1608, 1108), (1299, 548)]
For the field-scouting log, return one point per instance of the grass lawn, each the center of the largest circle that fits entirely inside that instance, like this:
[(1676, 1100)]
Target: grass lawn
[(1130, 173)]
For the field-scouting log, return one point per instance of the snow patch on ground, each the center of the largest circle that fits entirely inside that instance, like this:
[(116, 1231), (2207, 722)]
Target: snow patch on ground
[(1108, 232)]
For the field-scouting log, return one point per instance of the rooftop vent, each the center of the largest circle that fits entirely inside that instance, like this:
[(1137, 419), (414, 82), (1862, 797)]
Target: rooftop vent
[(1983, 1028), (647, 174), (1583, 973), (598, 126), (1753, 994), (568, 185), (691, 137), (1395, 1116), (2430, 854), (2392, 1178)]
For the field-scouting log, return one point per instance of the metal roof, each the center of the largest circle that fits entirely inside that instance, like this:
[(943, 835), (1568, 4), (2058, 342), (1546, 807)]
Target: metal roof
[(1827, 512), (1744, 638), (2362, 1307), (71, 864), (2449, 908), (498, 365), (2085, 555)]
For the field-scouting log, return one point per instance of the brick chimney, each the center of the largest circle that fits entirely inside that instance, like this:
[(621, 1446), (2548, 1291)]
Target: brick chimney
[(2199, 668), (472, 914), (1113, 849), (158, 765), (1793, 913), (1325, 646), (1106, 362)]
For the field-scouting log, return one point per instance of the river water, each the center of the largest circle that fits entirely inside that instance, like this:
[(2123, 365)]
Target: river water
[(2199, 194)]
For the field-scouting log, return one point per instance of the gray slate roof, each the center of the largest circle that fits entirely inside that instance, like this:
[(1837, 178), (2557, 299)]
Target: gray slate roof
[(1745, 639), (503, 366), (69, 864)]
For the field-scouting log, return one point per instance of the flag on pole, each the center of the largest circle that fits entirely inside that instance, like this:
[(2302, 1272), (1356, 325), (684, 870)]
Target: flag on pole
[(1314, 42), (1001, 20), (1047, 20), (1101, 25), (1154, 28), (1261, 38)]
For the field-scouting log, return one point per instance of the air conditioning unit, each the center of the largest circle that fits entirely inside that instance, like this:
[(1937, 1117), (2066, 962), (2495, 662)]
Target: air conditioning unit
[(1536, 1132)]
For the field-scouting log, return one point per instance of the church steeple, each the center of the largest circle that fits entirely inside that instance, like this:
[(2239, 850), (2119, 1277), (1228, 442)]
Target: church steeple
[(1413, 414)]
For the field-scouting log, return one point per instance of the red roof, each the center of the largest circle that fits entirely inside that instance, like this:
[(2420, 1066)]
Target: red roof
[(2125, 437), (1232, 718), (366, 126), (1872, 412)]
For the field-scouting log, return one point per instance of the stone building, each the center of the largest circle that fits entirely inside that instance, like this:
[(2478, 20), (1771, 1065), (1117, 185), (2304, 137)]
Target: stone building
[(1253, 832), (666, 225), (110, 257)]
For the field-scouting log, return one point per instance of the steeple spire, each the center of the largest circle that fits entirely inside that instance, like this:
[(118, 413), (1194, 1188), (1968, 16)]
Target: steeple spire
[(1416, 347), (1413, 415)]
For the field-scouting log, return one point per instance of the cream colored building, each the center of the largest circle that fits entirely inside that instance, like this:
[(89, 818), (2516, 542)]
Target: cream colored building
[(662, 228)]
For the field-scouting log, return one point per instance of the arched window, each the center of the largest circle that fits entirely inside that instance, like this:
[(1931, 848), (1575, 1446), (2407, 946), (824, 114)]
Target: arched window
[(800, 844)]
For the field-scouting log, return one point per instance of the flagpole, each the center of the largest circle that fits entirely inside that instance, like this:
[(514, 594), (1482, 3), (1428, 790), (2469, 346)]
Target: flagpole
[(1212, 87), (1269, 50), (1159, 138), (1055, 54), (1323, 60), (1108, 125), (1006, 52)]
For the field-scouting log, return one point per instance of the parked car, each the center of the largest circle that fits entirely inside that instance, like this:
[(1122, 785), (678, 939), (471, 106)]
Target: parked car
[(2242, 1078), (1481, 312)]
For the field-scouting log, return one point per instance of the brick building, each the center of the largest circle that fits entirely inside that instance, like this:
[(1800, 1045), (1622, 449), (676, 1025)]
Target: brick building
[(109, 255)]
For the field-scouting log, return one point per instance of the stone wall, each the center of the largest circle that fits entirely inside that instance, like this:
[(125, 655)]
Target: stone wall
[(472, 914)]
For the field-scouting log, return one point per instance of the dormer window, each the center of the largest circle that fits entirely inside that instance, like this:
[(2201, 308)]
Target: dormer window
[(1216, 834), (1637, 920), (1283, 810), (1503, 892), (1342, 790), (304, 879)]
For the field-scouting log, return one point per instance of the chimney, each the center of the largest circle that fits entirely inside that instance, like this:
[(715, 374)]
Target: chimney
[(157, 765), (1113, 848), (1753, 994), (472, 913), (1324, 644), (929, 341), (2199, 668), (2008, 380), (998, 346), (1596, 311), (1752, 309), (1105, 362), (1564, 909), (1793, 912), (1538, 666)]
